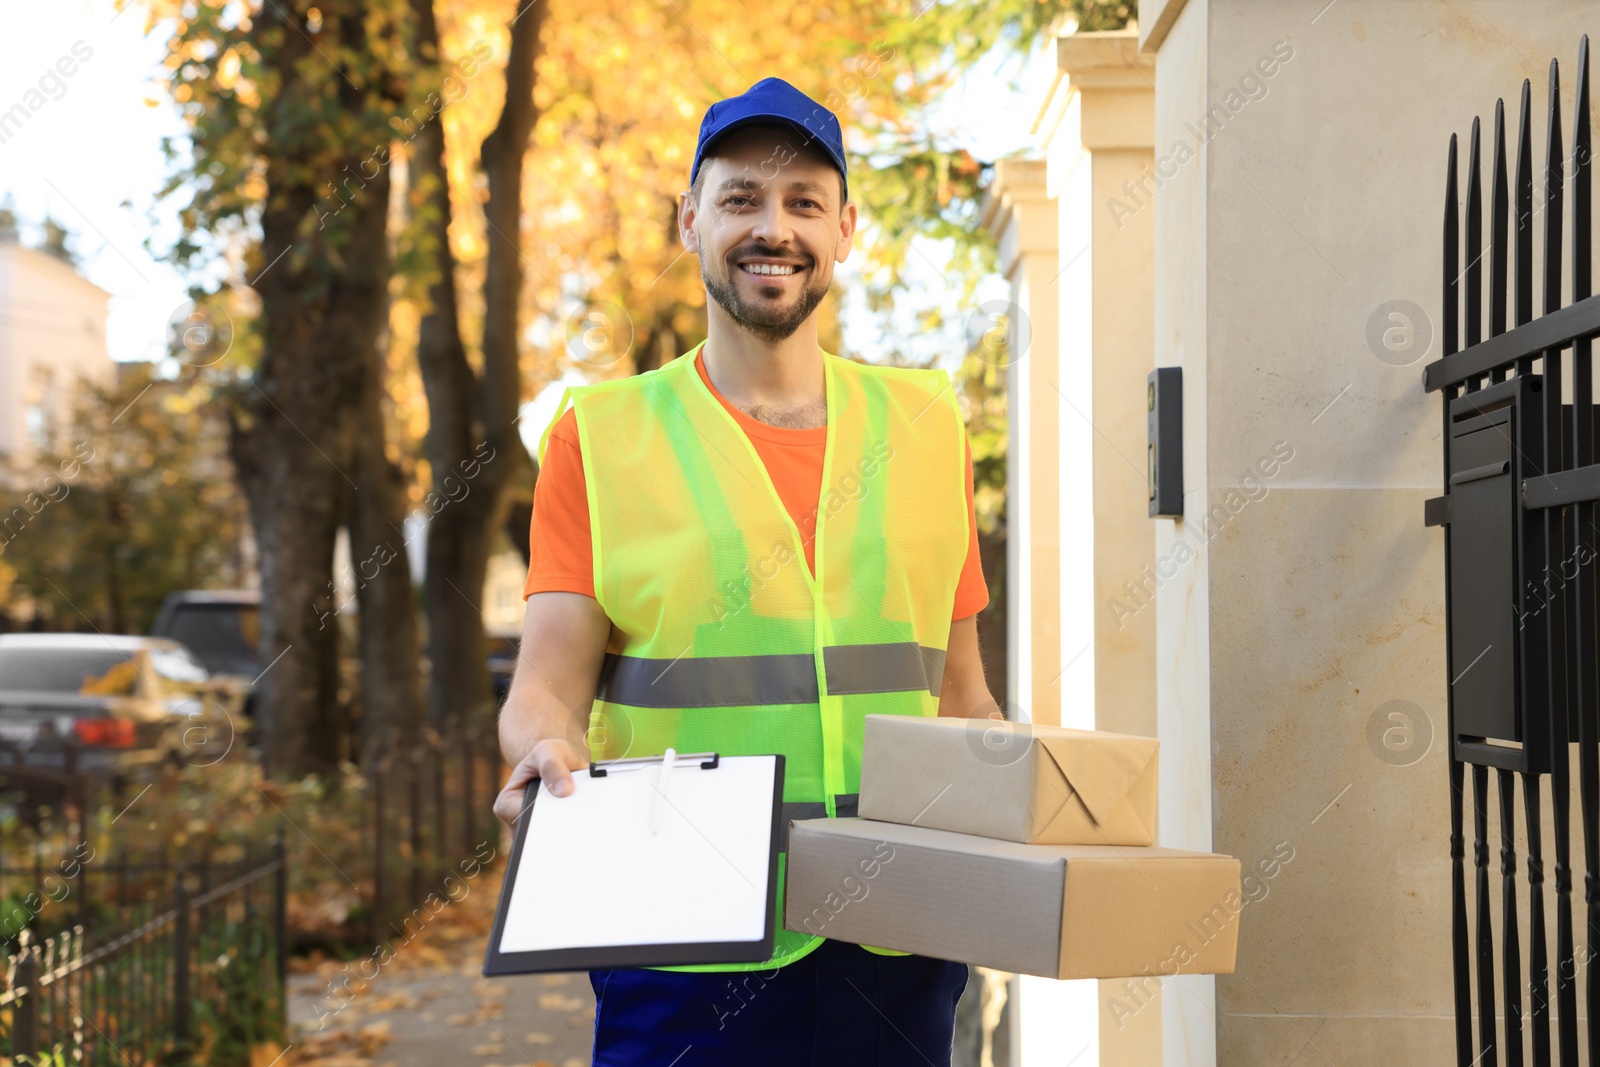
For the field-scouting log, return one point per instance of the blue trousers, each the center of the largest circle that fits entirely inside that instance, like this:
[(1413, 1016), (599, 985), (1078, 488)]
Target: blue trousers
[(839, 1006)]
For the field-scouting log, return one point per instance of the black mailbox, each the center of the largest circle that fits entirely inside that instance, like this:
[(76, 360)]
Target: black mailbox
[(1498, 578)]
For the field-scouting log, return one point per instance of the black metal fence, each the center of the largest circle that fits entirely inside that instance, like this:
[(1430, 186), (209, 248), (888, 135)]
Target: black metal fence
[(1521, 482), (196, 965), (430, 813), (426, 809), (114, 959)]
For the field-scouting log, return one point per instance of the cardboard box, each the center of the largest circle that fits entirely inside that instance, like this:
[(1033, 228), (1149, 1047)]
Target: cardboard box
[(1059, 911), (1014, 781)]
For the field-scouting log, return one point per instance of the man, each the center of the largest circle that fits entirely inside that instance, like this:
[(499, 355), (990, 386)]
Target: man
[(746, 551)]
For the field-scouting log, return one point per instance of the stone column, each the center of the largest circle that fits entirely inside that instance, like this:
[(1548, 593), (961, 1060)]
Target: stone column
[(1097, 129), (1115, 307), (1021, 215), (1022, 218)]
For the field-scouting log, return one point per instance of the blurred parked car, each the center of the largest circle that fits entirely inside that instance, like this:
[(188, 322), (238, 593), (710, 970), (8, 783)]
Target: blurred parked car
[(221, 627), (124, 699)]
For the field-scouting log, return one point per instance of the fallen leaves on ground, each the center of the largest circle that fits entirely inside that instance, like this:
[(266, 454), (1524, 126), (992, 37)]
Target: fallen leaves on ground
[(559, 1002), (343, 1047), (265, 1055), (401, 1001), (433, 937), (447, 954)]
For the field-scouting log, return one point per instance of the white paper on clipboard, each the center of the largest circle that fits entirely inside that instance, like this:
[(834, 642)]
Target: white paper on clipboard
[(591, 874)]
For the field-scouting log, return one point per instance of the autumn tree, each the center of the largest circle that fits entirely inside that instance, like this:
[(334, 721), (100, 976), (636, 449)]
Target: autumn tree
[(131, 500), (617, 292), (505, 273), (472, 438), (580, 244), (289, 108), (609, 289)]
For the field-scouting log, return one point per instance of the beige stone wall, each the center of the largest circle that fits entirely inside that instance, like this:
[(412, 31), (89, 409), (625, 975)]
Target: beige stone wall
[(1316, 599), (1300, 606)]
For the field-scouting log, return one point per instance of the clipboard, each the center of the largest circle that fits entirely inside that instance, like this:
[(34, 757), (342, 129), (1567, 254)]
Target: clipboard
[(609, 891)]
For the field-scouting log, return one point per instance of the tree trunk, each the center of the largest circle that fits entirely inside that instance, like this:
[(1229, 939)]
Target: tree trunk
[(473, 446), (391, 681), (114, 598), (295, 496), (294, 470), (294, 424)]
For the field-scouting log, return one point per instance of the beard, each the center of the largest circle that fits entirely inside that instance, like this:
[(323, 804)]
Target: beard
[(765, 321)]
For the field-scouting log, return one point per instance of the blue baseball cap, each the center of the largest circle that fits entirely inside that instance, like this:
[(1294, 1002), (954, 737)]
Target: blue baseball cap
[(773, 100)]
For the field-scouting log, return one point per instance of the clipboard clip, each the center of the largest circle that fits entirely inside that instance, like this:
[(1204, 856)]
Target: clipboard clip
[(708, 761)]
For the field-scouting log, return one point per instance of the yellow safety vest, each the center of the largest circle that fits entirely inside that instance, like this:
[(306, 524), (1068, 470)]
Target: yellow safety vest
[(723, 640)]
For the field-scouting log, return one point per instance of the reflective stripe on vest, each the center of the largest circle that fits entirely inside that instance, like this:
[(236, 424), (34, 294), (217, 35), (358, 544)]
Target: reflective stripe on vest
[(723, 639), (751, 681)]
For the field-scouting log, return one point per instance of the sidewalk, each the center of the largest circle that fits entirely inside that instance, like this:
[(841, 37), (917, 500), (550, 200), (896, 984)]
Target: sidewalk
[(430, 1004)]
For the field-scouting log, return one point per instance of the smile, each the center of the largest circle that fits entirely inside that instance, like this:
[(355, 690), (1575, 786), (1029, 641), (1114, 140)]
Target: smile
[(769, 269)]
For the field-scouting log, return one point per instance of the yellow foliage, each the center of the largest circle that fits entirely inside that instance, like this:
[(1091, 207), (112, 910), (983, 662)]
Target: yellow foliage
[(621, 87)]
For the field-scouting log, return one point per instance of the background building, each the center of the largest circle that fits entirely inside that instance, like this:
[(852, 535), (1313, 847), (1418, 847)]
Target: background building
[(52, 331)]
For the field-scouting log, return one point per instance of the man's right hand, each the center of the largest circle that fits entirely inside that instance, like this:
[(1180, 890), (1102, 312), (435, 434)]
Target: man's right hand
[(544, 723), (551, 760)]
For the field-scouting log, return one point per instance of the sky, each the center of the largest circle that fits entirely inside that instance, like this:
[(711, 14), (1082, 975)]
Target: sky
[(90, 155), (989, 112)]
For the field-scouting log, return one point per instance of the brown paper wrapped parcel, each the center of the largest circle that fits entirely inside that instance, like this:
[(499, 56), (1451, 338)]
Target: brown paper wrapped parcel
[(1060, 911), (1041, 785), (1022, 848)]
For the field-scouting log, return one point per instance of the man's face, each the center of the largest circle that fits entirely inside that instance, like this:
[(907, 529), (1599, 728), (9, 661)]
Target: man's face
[(768, 227)]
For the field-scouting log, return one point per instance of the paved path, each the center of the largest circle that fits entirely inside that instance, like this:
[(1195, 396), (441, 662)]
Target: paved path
[(453, 1016), (431, 1005)]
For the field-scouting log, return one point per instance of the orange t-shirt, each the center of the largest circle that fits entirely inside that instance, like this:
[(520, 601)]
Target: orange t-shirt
[(563, 555)]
